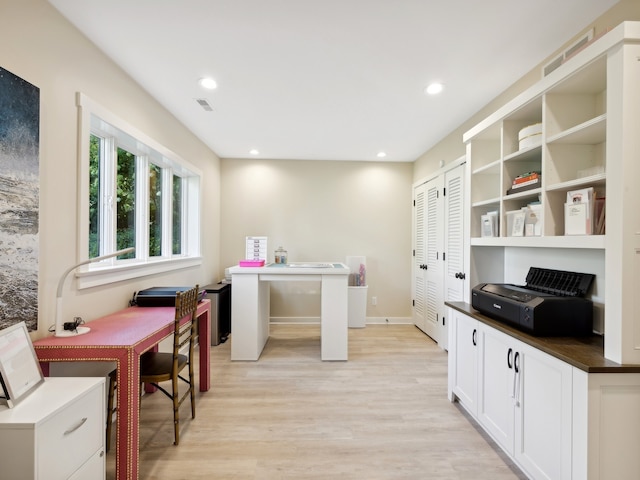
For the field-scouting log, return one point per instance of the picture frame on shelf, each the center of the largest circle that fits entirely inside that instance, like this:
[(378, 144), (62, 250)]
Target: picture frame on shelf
[(20, 371), (515, 223)]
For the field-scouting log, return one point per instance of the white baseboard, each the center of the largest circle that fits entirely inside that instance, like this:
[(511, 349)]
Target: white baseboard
[(316, 320), (389, 320), (295, 320)]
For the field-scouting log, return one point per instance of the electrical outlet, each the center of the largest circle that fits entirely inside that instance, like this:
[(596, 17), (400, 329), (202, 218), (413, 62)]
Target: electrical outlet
[(374, 301)]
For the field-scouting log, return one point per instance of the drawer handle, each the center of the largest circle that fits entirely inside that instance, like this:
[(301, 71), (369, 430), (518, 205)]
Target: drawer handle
[(73, 429)]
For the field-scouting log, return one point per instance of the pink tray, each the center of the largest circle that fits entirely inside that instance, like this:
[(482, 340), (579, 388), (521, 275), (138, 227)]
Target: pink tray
[(251, 263)]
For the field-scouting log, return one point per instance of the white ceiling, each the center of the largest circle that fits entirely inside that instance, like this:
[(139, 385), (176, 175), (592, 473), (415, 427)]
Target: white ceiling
[(327, 79)]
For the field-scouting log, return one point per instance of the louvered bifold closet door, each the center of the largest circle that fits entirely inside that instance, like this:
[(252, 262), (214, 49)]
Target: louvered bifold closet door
[(434, 258), (454, 266), (419, 252)]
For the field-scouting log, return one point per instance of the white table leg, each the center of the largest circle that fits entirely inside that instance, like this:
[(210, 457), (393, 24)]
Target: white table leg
[(334, 329), (249, 317)]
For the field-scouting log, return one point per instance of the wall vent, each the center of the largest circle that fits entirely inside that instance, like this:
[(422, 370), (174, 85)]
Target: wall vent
[(204, 104), (568, 53)]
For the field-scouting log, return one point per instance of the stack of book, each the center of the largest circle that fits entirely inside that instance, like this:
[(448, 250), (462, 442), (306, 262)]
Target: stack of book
[(525, 181)]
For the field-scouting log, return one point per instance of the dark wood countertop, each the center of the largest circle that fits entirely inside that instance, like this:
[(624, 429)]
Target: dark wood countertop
[(585, 353)]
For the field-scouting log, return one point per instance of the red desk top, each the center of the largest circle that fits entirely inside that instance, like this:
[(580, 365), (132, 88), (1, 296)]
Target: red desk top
[(128, 327)]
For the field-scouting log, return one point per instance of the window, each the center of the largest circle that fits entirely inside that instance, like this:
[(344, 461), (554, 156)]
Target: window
[(133, 193)]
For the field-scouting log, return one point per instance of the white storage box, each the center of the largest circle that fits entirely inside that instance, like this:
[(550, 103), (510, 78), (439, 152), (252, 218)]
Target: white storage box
[(530, 136), (357, 307)]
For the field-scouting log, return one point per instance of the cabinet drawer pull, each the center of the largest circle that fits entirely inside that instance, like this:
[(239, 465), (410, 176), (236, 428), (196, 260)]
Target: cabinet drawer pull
[(473, 337), (73, 429), (516, 380), (509, 360)]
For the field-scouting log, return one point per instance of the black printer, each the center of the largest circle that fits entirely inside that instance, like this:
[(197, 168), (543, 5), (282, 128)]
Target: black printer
[(160, 296), (551, 303)]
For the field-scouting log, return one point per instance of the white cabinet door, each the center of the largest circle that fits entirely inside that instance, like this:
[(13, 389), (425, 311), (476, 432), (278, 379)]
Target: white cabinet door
[(497, 384), (454, 271), (543, 415), (463, 360)]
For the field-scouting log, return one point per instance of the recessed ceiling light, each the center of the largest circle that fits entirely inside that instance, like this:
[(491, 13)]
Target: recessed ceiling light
[(434, 88), (381, 155), (254, 151), (208, 83)]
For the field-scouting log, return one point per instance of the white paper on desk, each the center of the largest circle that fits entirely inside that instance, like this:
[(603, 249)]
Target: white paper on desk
[(311, 265), (577, 220)]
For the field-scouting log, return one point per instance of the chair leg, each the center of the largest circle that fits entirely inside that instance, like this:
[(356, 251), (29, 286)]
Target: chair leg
[(192, 390), (176, 411)]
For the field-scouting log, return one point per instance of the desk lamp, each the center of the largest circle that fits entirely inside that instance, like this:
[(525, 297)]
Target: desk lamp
[(60, 331)]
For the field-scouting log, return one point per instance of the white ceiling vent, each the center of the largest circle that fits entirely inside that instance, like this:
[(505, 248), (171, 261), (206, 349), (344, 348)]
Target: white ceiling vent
[(568, 53), (204, 104)]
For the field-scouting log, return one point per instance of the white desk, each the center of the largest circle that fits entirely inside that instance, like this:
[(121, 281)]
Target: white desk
[(250, 307)]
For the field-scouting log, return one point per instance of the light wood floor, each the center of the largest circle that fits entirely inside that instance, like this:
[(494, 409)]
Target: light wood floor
[(382, 415)]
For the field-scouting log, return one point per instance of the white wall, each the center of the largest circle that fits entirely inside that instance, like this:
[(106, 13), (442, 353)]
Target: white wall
[(40, 46), (323, 211)]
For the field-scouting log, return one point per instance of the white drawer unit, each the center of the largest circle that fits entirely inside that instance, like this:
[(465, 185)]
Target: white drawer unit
[(57, 432)]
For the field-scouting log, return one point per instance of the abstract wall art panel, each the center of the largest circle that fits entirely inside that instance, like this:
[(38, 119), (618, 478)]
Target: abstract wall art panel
[(19, 193)]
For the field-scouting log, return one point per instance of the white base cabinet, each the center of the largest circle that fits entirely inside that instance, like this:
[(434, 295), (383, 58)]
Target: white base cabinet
[(520, 396), (56, 433), (556, 421)]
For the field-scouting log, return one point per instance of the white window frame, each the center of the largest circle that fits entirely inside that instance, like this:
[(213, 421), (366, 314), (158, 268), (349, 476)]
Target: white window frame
[(92, 116)]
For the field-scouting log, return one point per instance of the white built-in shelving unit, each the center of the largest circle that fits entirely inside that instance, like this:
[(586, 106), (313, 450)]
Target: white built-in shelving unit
[(589, 110)]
